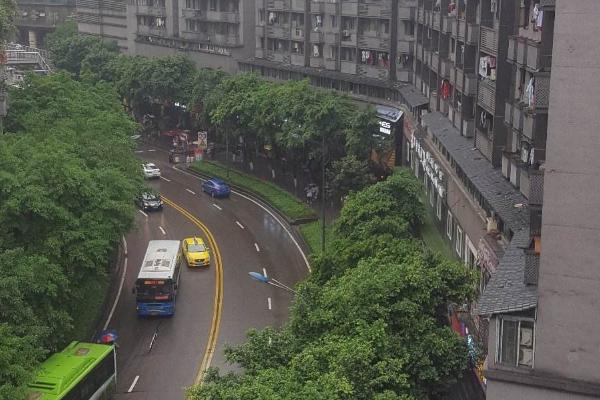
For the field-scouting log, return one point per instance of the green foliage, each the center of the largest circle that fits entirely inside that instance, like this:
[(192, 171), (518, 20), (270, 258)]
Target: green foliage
[(368, 322), (347, 174), (72, 52), (67, 179), (312, 234), (7, 19)]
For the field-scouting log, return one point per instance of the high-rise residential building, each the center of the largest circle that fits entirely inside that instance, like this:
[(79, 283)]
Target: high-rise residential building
[(363, 48), (484, 66), (36, 18), (213, 33)]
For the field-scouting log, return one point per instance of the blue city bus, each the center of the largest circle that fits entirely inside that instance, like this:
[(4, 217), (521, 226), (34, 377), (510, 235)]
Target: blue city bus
[(158, 279)]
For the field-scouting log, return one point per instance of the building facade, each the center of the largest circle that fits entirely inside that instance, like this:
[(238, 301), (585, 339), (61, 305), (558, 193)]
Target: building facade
[(362, 48), (36, 18), (213, 33)]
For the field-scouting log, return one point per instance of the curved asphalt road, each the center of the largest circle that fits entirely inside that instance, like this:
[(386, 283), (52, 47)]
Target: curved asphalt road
[(249, 239)]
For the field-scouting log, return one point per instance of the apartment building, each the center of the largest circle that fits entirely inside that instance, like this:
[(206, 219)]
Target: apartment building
[(213, 33), (36, 18), (363, 48)]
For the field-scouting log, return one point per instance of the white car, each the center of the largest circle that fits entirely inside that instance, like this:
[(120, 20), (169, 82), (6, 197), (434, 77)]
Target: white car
[(150, 171)]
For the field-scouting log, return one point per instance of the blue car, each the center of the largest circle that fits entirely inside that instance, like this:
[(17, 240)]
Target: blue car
[(216, 188)]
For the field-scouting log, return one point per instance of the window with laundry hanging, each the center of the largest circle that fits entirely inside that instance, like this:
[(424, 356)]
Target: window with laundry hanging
[(487, 67)]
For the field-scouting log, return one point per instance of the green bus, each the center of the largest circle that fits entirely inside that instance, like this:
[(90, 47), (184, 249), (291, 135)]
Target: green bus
[(82, 371)]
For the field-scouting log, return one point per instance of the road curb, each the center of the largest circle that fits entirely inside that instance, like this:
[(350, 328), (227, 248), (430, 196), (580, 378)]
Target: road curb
[(292, 224)]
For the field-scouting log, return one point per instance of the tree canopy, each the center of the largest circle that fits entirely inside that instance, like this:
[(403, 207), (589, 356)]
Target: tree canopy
[(369, 323), (67, 179)]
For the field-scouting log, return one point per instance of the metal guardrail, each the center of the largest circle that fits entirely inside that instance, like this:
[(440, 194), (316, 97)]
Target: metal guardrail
[(17, 54)]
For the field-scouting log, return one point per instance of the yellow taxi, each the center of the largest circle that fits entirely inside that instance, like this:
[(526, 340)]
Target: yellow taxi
[(195, 252)]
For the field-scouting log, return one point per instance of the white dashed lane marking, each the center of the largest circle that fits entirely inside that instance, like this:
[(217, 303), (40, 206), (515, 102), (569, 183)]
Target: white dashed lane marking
[(256, 245), (162, 230), (217, 207), (190, 191), (239, 224)]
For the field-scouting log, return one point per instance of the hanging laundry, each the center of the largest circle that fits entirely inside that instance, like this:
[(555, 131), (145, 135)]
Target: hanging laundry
[(316, 52), (483, 63), (493, 74), (530, 92), (535, 13), (271, 17), (539, 21), (363, 56), (445, 89)]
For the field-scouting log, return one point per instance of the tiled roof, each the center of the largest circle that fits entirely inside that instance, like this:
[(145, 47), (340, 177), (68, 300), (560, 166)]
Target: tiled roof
[(412, 96), (506, 290)]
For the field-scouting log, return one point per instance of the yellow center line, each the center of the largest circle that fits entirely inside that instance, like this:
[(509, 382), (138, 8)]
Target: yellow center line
[(218, 302)]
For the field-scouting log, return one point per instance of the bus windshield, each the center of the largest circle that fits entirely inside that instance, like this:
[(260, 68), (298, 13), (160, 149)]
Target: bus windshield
[(154, 290)]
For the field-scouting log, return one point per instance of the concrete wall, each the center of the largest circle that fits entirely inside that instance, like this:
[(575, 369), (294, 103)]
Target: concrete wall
[(509, 391), (567, 341)]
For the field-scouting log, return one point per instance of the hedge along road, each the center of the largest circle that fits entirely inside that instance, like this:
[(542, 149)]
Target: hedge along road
[(247, 238)]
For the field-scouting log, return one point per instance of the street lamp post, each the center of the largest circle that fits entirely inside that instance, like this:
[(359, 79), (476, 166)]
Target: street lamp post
[(323, 193), (270, 281)]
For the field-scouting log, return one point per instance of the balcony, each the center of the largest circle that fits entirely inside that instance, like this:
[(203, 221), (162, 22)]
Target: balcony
[(488, 40), (316, 37), (486, 96), (541, 92), (447, 22), (521, 52), (349, 38), (374, 10), (332, 37), (317, 62), (406, 47), (277, 56), (420, 16), (445, 68), (472, 34), (297, 5), (512, 49), (348, 67), (406, 13), (188, 13), (161, 11), (221, 16), (373, 71), (529, 125), (330, 64), (278, 31), (278, 5), (436, 20), (225, 39), (535, 59), (297, 59), (532, 185), (349, 8), (317, 7), (374, 41), (427, 57), (435, 60), (518, 117), (155, 31), (297, 33), (419, 52)]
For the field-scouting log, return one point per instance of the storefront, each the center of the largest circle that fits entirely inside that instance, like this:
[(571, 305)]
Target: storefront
[(390, 126)]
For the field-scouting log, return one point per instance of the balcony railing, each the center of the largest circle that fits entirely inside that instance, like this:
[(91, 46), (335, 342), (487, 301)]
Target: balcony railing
[(297, 59), (532, 267), (486, 96), (349, 38), (278, 5), (406, 13), (297, 5), (406, 47), (435, 59), (472, 34), (447, 21), (436, 20), (374, 10), (488, 40), (316, 37), (445, 68), (511, 55), (331, 37), (317, 7), (348, 67), (349, 8), (521, 52), (373, 71), (278, 31), (529, 125), (374, 41)]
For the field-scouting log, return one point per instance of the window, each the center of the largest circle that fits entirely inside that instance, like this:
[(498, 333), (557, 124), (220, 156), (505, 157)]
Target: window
[(515, 344), (459, 240), (438, 207), (449, 225)]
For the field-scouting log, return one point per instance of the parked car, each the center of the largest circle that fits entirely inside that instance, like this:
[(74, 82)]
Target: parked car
[(149, 201), (195, 252), (150, 170), (216, 188)]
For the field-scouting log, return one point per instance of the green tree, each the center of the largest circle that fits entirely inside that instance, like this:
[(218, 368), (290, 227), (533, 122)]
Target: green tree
[(67, 179), (71, 51), (369, 322), (7, 19), (346, 175)]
